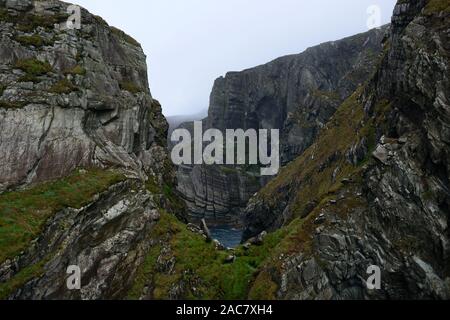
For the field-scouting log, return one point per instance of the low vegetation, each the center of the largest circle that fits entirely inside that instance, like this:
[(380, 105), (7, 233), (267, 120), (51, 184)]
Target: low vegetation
[(28, 22), (24, 213), (125, 37), (33, 68), (319, 175), (77, 70), (435, 6), (12, 104), (21, 278), (200, 264), (33, 40), (251, 275), (130, 87), (63, 86)]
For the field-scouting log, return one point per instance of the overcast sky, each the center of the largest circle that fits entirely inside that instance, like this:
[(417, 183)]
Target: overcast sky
[(189, 43)]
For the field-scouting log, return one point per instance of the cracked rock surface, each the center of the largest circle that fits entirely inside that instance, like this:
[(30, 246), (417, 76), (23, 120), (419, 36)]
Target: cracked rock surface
[(390, 205), (71, 98)]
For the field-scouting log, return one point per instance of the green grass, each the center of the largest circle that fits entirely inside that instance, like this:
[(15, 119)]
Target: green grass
[(130, 87), (32, 68), (122, 35), (33, 40), (332, 95), (12, 104), (63, 86), (435, 6), (196, 259), (310, 178), (77, 70), (153, 186), (24, 213), (17, 281), (27, 22), (175, 204)]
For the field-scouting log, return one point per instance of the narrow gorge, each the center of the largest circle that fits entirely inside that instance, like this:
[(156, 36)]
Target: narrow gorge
[(296, 94), (86, 177)]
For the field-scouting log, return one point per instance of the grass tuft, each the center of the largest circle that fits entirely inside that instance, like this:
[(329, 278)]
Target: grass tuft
[(28, 22), (33, 40), (24, 213), (63, 86), (12, 104), (77, 70), (198, 261), (122, 35), (130, 87), (33, 68)]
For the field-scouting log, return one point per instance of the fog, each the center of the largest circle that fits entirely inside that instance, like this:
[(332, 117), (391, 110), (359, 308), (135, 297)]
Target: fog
[(189, 43)]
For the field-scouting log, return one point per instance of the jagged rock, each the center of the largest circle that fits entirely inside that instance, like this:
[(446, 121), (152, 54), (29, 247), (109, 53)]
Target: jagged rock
[(358, 152), (88, 106), (194, 228), (258, 240), (215, 193), (94, 107), (320, 219), (94, 240), (399, 222), (205, 230), (230, 259), (219, 246), (19, 5), (381, 154)]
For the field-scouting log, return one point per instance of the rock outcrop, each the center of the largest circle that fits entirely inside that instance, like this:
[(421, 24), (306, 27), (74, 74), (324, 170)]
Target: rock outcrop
[(373, 190), (296, 94), (76, 101), (86, 180), (71, 98)]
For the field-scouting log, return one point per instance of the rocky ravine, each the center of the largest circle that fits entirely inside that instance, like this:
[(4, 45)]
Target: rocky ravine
[(74, 99), (374, 188), (296, 94), (87, 179)]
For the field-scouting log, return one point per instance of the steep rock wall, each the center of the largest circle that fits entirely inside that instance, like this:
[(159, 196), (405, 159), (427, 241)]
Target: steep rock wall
[(379, 195), (296, 94)]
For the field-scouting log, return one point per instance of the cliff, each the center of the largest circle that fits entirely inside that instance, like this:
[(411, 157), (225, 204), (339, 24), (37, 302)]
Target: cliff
[(86, 179), (296, 94), (84, 166), (373, 189)]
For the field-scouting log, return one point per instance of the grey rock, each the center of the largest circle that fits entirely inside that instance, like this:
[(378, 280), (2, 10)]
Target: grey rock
[(205, 230), (230, 259), (258, 240), (19, 5), (218, 245), (381, 154), (401, 220), (49, 133), (94, 124), (320, 219), (296, 94)]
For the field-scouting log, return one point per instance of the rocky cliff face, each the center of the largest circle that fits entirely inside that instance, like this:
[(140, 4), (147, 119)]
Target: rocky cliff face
[(71, 98), (83, 155), (373, 189), (296, 94)]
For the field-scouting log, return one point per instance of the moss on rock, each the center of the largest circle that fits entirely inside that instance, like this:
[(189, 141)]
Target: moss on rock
[(24, 213)]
